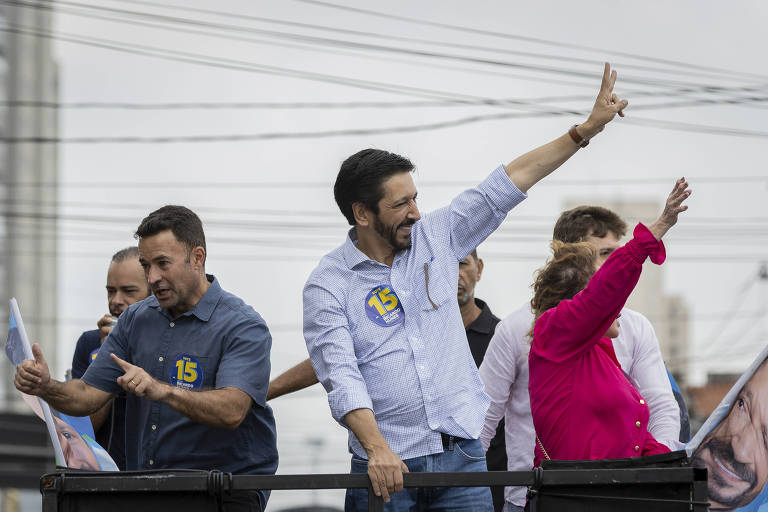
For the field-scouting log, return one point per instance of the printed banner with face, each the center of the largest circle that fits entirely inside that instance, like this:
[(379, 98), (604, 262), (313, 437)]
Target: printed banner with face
[(733, 444), (72, 437)]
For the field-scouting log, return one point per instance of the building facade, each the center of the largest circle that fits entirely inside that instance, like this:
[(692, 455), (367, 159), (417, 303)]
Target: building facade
[(28, 181)]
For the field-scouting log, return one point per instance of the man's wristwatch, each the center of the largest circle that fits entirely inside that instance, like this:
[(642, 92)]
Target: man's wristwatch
[(578, 139)]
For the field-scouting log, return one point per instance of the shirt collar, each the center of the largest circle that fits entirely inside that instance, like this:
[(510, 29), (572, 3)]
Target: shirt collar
[(352, 255), (204, 307), (483, 323)]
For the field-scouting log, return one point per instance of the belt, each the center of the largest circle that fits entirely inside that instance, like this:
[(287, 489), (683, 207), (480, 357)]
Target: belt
[(449, 440)]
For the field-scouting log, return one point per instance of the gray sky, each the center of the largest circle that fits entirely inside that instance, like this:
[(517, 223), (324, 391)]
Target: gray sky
[(252, 228)]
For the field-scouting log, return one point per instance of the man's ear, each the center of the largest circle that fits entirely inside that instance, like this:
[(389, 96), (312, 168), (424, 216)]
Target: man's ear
[(197, 257), (479, 268), (362, 214)]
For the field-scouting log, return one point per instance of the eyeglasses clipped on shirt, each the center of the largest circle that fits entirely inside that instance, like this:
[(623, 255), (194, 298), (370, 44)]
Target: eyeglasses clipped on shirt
[(426, 282)]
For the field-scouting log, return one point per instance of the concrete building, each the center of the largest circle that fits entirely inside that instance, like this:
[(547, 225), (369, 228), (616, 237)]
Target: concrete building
[(668, 314), (28, 178)]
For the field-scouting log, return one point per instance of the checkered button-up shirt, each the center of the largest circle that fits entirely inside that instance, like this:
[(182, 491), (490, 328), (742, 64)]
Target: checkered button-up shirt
[(391, 339)]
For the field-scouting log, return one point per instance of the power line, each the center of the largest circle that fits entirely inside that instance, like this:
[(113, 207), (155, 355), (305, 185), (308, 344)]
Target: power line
[(291, 256), (531, 220), (697, 128), (393, 37), (238, 65), (699, 180), (202, 105), (282, 233), (440, 125), (324, 41), (506, 35), (305, 47)]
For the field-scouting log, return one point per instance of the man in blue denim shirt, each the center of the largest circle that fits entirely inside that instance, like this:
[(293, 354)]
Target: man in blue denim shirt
[(383, 328), (194, 360)]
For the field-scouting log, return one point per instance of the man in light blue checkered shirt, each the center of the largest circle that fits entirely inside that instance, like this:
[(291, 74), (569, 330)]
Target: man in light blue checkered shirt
[(383, 327)]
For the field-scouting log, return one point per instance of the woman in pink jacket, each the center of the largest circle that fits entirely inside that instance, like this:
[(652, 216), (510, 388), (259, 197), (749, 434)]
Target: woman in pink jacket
[(583, 405)]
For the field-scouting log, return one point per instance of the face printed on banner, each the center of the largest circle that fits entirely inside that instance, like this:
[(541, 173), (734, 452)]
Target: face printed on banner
[(735, 452), (397, 211), (126, 284), (172, 271), (76, 451), (470, 271)]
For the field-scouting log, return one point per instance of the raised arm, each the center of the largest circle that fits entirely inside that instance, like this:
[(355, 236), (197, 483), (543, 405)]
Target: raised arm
[(574, 325), (528, 169), (73, 397)]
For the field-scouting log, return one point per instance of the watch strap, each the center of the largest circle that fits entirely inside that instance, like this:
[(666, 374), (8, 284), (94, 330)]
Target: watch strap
[(578, 139)]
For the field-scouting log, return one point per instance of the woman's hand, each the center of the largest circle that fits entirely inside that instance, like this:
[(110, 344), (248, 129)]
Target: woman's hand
[(672, 209)]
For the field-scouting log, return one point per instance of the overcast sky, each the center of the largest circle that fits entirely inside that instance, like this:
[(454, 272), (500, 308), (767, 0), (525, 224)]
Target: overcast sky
[(259, 197)]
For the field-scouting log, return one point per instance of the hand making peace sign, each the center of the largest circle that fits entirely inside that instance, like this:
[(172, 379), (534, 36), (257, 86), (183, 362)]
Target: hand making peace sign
[(607, 105)]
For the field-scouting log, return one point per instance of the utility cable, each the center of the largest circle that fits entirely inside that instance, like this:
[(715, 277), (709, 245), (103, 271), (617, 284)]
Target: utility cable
[(670, 125), (393, 37), (506, 35), (328, 41), (302, 105)]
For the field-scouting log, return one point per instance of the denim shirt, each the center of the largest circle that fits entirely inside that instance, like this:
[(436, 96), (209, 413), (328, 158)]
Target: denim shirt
[(221, 342)]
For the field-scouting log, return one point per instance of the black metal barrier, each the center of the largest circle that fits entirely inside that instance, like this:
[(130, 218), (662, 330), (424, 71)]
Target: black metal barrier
[(630, 489)]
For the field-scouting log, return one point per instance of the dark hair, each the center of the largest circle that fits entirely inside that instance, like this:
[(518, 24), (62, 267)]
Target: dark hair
[(361, 177), (124, 254), (474, 254), (565, 274), (183, 223), (578, 223)]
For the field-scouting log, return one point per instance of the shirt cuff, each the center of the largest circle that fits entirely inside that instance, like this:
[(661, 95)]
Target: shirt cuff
[(644, 245), (344, 401), (501, 191)]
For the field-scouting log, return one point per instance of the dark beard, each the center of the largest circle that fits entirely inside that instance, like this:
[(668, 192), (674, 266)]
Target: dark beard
[(389, 233), (724, 452)]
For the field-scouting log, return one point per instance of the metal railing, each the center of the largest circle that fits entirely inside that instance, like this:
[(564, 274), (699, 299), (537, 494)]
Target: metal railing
[(68, 490)]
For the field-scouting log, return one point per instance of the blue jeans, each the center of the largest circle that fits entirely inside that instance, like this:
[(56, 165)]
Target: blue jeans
[(466, 455), (509, 507)]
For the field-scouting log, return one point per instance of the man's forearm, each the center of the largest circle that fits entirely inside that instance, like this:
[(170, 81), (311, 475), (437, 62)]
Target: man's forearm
[(297, 378), (528, 169), (363, 425), (74, 397), (221, 408)]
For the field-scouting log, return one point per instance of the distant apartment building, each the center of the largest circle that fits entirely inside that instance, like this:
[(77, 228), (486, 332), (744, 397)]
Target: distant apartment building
[(28, 178)]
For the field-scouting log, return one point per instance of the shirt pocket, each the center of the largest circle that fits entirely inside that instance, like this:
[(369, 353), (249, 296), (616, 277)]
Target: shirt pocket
[(191, 372)]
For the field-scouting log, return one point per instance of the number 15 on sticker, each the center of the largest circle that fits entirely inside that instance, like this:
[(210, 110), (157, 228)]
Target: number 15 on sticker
[(384, 301)]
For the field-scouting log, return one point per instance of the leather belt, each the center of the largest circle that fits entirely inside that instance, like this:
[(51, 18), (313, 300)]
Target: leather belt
[(449, 441)]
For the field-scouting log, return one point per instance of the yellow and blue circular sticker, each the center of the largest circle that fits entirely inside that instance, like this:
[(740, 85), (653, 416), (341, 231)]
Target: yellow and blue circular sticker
[(93, 354), (187, 373), (383, 306)]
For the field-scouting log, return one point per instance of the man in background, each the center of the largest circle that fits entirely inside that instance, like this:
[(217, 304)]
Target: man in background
[(480, 324), (126, 285)]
